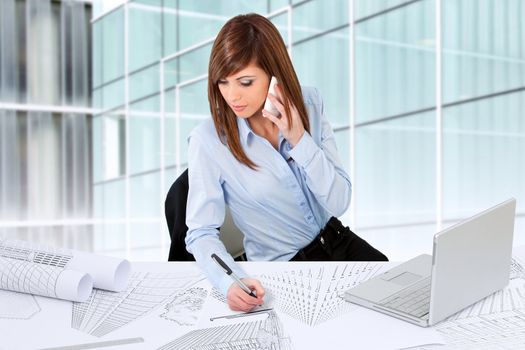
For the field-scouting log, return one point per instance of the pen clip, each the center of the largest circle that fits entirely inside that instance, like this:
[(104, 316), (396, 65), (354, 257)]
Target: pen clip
[(222, 264), (229, 272)]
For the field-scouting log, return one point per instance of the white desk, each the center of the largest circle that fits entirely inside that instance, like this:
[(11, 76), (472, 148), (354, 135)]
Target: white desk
[(172, 306)]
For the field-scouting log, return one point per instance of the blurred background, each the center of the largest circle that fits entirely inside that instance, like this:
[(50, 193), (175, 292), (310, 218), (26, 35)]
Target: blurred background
[(426, 97)]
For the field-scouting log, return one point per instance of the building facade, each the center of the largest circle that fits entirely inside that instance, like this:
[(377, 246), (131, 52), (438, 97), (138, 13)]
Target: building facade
[(429, 126), (426, 98), (45, 121)]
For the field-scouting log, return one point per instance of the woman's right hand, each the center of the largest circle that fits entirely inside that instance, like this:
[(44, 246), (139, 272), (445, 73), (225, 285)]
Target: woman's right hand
[(239, 300)]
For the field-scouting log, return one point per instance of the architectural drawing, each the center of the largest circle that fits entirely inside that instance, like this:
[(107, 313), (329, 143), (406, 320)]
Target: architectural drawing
[(17, 305), (251, 333), (218, 295), (517, 268), (27, 270), (184, 306), (496, 322), (510, 298), (58, 273), (504, 330), (314, 295), (106, 311)]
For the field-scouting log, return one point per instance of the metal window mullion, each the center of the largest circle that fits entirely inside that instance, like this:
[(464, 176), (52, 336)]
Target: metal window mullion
[(63, 100), (42, 223), (352, 109), (177, 130), (290, 28), (31, 107), (162, 155), (63, 140), (127, 130), (189, 49), (439, 120)]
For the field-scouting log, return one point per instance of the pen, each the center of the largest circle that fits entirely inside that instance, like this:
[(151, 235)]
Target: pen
[(229, 272)]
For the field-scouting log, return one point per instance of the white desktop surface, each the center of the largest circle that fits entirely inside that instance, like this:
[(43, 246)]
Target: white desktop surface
[(166, 301)]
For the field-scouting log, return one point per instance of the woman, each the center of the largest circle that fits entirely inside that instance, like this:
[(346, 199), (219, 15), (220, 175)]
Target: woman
[(280, 175)]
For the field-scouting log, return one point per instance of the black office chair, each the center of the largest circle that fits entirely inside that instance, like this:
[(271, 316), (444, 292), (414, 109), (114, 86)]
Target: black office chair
[(175, 211)]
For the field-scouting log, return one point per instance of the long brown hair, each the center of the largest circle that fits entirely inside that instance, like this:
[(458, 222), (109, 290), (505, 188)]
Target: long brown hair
[(242, 40)]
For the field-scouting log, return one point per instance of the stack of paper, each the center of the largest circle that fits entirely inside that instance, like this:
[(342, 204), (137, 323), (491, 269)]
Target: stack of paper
[(58, 273)]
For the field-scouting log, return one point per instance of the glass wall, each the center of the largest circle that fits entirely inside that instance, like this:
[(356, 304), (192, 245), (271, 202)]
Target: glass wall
[(45, 126), (483, 96), (423, 152)]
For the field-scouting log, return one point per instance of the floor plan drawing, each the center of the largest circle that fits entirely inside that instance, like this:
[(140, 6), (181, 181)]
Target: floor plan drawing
[(314, 295), (106, 311), (17, 305), (261, 334)]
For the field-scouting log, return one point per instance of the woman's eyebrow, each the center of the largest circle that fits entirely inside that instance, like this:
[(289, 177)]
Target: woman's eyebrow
[(245, 76)]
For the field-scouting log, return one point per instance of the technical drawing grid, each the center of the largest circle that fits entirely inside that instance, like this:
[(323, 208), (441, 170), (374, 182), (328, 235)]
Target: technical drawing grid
[(517, 269), (495, 322), (503, 330), (510, 298), (30, 270), (20, 250), (106, 311), (267, 334), (314, 295), (27, 277)]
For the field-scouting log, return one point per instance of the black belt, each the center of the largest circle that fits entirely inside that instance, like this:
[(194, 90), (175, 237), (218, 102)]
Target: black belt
[(322, 247)]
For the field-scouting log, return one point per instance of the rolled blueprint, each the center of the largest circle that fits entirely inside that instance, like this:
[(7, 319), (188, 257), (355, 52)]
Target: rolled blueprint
[(26, 276), (58, 273), (108, 273)]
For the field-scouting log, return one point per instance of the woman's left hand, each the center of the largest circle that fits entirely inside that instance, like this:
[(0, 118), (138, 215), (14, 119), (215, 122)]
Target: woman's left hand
[(292, 133)]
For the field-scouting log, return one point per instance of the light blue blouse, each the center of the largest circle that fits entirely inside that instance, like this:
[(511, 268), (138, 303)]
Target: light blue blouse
[(280, 207)]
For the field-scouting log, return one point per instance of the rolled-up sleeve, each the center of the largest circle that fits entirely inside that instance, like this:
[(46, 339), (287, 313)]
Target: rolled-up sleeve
[(205, 214), (325, 175)]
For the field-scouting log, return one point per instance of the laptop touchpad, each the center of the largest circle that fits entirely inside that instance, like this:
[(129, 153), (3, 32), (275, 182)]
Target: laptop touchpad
[(405, 278)]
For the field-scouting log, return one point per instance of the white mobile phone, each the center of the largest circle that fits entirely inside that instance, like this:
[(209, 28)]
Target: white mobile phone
[(268, 105)]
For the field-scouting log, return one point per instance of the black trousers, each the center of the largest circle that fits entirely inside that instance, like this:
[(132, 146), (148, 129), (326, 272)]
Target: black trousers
[(337, 242)]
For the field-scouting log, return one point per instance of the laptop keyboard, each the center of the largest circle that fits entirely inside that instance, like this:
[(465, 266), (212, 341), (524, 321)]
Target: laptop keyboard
[(414, 300)]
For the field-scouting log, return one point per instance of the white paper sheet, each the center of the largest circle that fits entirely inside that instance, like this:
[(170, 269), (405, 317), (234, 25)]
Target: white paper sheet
[(58, 273), (496, 322), (248, 331), (335, 323), (138, 312), (313, 294), (517, 267), (362, 329), (108, 273), (104, 311), (17, 306), (161, 317), (305, 296)]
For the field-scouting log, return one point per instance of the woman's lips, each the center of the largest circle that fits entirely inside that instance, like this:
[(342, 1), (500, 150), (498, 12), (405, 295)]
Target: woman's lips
[(238, 108)]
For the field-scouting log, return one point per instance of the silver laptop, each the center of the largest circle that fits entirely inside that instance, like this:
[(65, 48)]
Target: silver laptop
[(470, 261)]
